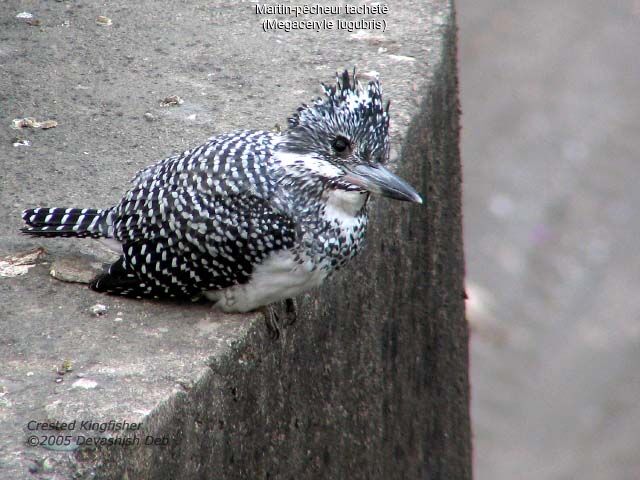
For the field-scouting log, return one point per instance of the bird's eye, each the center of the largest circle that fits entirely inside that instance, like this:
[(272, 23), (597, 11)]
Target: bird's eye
[(340, 144)]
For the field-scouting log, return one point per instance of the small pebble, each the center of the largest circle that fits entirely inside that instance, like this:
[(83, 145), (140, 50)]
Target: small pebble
[(47, 465), (74, 270), (149, 117), (98, 309)]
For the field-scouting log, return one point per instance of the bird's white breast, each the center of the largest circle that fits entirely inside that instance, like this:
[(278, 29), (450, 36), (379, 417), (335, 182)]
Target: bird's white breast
[(280, 276)]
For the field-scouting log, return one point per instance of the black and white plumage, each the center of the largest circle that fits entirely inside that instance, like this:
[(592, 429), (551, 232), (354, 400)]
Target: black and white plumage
[(249, 217)]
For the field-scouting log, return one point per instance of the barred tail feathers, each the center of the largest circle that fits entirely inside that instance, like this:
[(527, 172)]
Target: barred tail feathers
[(68, 222)]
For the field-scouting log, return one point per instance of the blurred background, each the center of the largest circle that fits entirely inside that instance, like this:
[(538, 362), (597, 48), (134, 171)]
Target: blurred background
[(551, 133)]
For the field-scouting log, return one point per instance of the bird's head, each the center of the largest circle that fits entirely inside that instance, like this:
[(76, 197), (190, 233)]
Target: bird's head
[(343, 138)]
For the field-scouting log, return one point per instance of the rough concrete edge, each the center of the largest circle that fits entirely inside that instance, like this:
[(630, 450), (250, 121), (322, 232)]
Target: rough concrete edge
[(456, 459), (115, 462)]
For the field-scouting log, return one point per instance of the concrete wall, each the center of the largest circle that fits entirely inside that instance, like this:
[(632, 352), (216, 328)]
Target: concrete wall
[(371, 379)]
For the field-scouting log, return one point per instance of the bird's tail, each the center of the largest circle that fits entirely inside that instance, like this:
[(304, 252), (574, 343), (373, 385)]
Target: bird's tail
[(68, 222)]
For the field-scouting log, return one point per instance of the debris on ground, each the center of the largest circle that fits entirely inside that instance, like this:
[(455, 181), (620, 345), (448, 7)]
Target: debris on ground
[(66, 367), (45, 465), (29, 19), (85, 383), (172, 101), (20, 263), (30, 122), (103, 21), (21, 142)]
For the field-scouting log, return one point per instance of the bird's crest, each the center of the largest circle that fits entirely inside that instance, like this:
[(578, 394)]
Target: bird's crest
[(348, 109)]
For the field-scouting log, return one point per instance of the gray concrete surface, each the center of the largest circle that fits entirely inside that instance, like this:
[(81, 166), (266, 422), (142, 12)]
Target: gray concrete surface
[(550, 146), (370, 382)]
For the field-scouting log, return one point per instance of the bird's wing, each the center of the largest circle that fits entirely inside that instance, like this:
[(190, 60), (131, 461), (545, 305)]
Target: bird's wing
[(198, 221), (227, 164), (196, 243)]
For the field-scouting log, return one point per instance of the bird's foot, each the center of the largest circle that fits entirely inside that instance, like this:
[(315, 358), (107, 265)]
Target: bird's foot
[(291, 308), (272, 321)]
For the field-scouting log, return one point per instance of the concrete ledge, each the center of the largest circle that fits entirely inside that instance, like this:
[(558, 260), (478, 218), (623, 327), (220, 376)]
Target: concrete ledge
[(371, 380)]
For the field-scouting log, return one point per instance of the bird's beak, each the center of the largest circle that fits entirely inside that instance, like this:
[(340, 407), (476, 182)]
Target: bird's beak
[(378, 179)]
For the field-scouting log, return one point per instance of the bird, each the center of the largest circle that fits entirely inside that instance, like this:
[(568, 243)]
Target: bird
[(249, 217)]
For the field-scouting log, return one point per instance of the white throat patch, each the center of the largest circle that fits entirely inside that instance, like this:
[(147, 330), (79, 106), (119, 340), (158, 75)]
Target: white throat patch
[(344, 205)]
